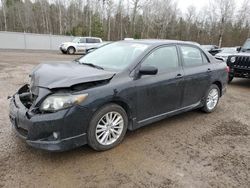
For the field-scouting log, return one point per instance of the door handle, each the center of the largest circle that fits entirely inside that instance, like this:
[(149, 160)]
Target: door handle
[(209, 70), (179, 76)]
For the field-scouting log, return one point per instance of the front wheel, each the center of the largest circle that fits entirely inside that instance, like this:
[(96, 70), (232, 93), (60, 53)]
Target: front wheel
[(211, 99), (71, 50), (107, 127)]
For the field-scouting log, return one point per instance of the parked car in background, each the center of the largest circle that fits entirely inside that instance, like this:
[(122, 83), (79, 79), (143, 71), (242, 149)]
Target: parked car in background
[(239, 63), (212, 49), (121, 86), (80, 45), (225, 52), (128, 39), (93, 49), (96, 47)]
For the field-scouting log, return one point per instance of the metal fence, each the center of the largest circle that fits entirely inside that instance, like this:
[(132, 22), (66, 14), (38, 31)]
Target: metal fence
[(15, 40)]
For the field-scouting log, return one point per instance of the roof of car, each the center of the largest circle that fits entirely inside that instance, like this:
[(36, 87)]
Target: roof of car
[(90, 37), (160, 41)]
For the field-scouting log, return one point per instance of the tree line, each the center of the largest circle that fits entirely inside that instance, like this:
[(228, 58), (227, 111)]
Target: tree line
[(221, 22)]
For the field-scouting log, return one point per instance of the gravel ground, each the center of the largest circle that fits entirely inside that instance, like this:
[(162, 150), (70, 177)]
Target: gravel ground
[(189, 150)]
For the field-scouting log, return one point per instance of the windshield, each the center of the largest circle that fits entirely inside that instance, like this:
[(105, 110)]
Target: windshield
[(118, 55), (76, 40), (246, 46), (228, 50)]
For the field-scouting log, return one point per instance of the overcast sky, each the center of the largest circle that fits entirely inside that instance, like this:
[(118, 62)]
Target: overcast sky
[(184, 4)]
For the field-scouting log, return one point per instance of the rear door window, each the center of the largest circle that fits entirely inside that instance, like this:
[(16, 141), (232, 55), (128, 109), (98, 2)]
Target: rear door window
[(191, 56), (97, 40), (91, 40)]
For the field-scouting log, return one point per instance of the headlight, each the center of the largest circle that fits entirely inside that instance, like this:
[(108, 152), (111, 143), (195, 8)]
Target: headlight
[(232, 59), (57, 102)]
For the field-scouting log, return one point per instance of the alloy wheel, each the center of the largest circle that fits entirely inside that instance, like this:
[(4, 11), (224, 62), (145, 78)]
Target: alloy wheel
[(212, 99), (109, 128), (71, 50)]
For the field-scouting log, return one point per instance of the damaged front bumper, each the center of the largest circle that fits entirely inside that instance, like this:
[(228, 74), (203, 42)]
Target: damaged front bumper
[(59, 131)]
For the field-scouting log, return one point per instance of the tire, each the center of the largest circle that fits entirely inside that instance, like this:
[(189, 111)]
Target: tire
[(213, 94), (98, 130), (230, 79), (71, 50)]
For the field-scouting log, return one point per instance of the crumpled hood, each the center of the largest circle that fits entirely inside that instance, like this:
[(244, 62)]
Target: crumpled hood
[(62, 75)]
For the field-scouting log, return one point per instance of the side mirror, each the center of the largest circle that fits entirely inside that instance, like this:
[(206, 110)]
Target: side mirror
[(148, 70), (238, 49)]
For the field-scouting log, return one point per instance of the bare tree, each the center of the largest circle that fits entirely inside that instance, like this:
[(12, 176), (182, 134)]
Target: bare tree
[(4, 14), (190, 19), (217, 23), (120, 13), (109, 10), (135, 9), (90, 18), (224, 10), (245, 14), (60, 16)]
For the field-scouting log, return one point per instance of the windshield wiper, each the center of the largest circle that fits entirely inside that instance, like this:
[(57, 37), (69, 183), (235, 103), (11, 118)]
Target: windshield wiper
[(91, 65), (88, 64)]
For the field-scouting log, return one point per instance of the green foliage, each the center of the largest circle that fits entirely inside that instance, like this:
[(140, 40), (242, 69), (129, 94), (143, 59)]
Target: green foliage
[(78, 30), (137, 36), (97, 28), (10, 3)]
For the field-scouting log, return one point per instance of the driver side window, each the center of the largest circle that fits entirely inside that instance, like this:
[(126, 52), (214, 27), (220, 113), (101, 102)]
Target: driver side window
[(164, 59)]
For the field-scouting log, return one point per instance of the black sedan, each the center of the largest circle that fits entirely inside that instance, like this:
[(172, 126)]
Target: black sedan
[(122, 86)]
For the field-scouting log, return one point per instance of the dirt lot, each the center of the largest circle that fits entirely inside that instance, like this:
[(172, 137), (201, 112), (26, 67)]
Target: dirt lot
[(189, 150)]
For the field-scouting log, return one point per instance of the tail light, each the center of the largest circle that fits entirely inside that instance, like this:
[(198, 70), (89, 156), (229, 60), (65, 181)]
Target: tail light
[(227, 69)]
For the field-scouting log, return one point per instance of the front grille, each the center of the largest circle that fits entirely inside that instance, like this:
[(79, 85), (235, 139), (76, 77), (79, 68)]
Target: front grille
[(242, 62)]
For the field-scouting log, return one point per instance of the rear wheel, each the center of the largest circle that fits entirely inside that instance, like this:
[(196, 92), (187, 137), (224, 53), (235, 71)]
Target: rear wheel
[(71, 50), (107, 127), (211, 99)]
